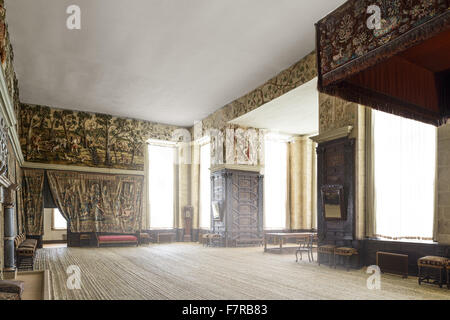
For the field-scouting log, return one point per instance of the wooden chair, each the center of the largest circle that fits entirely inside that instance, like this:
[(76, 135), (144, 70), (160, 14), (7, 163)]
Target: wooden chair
[(432, 262), (25, 250), (315, 245), (144, 237), (305, 246)]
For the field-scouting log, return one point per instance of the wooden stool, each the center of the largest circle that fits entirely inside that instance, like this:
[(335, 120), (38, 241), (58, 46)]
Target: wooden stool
[(144, 237), (326, 249), (345, 252), (205, 239), (11, 289), (432, 262), (213, 238)]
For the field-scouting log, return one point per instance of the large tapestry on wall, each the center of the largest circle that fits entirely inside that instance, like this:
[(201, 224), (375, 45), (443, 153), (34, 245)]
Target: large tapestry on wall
[(49, 135), (287, 80), (19, 196), (33, 204), (93, 202)]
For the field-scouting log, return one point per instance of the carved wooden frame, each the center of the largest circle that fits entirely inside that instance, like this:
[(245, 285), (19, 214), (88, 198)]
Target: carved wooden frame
[(340, 190)]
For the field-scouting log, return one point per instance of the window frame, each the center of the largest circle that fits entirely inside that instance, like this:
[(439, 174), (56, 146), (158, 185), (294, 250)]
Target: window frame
[(202, 143), (370, 210), (278, 138), (174, 146)]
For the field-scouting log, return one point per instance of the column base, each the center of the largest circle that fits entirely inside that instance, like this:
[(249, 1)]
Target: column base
[(9, 274)]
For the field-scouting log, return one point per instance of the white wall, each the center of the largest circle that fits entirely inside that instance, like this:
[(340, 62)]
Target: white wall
[(50, 234)]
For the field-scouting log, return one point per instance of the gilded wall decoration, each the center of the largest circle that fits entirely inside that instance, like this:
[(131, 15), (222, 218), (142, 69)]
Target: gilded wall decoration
[(242, 146), (291, 78), (56, 136), (296, 75), (230, 151), (7, 59), (217, 143), (335, 113)]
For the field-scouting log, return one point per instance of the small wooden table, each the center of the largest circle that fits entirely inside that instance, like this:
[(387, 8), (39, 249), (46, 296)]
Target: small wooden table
[(281, 237), (169, 236)]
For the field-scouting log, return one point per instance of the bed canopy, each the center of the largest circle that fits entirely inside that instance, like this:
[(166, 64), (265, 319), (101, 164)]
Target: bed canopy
[(400, 65)]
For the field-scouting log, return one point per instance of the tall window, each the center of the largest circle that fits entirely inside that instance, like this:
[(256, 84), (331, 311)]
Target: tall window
[(161, 186), (205, 186), (275, 183), (404, 155), (58, 221)]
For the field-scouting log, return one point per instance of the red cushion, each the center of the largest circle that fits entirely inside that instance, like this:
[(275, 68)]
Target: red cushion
[(117, 238)]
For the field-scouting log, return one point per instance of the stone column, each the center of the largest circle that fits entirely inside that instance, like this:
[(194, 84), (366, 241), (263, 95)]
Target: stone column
[(10, 231), (302, 184)]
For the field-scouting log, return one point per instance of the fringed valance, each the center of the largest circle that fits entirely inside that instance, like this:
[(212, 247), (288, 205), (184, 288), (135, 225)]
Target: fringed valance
[(401, 66)]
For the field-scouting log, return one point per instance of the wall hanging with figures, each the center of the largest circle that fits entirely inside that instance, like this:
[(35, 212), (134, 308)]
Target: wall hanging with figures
[(55, 136), (237, 146)]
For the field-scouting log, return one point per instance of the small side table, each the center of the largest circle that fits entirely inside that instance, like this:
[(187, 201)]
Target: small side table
[(85, 240), (345, 252)]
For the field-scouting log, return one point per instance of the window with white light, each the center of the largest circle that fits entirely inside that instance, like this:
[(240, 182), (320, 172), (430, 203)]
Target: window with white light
[(205, 186), (275, 183), (404, 164), (58, 221), (161, 183)]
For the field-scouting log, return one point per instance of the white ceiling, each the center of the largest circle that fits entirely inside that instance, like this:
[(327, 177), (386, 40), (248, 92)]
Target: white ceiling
[(296, 112), (170, 61)]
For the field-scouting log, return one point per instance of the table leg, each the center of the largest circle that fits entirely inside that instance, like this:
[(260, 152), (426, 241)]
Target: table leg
[(281, 244)]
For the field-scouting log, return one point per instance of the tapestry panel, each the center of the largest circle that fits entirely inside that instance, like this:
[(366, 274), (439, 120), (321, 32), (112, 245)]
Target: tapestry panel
[(67, 137), (291, 78), (33, 205), (93, 202)]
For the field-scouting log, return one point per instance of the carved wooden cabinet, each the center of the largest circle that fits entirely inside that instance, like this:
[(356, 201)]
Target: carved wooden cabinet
[(238, 198)]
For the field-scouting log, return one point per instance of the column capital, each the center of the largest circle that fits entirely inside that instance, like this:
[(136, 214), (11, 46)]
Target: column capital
[(9, 201)]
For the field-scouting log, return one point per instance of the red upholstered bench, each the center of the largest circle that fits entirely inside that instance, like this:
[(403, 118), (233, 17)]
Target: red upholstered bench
[(116, 239)]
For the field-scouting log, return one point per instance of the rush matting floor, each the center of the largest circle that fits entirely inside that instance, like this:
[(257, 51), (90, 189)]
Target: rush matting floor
[(191, 271)]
